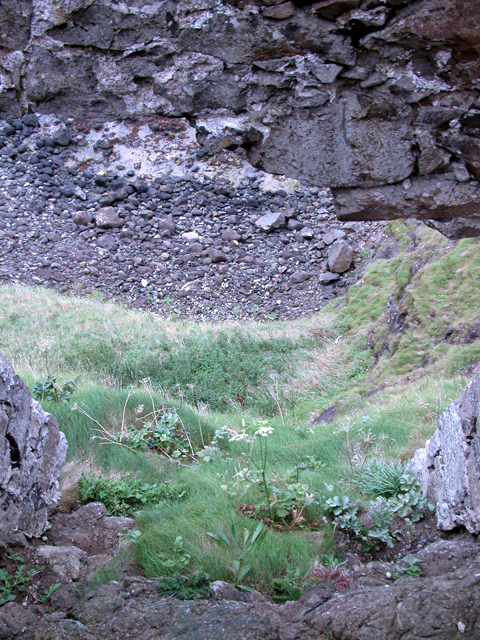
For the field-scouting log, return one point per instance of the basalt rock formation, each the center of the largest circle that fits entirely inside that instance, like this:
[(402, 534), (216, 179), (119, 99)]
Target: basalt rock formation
[(377, 99), (32, 452)]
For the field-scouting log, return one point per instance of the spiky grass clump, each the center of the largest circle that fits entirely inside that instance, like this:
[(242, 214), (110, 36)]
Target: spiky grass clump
[(380, 478)]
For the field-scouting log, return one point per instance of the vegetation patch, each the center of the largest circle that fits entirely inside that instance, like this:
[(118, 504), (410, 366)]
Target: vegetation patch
[(124, 496), (206, 434)]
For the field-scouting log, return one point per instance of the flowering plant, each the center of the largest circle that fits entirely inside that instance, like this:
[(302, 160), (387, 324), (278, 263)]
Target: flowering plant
[(283, 498)]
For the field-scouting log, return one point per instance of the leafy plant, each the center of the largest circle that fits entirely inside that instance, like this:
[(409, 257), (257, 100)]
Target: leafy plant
[(48, 593), (171, 557), (343, 513), (332, 575), (408, 566), (122, 496), (6, 587), (288, 587), (185, 587), (50, 390), (410, 502), (310, 462), (382, 512), (282, 497), (19, 581), (240, 550)]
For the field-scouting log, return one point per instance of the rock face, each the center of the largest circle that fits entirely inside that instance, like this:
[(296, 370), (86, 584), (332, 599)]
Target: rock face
[(440, 604), (32, 452), (343, 93), (449, 466)]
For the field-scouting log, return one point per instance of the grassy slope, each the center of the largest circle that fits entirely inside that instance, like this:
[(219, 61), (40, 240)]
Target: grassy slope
[(424, 285)]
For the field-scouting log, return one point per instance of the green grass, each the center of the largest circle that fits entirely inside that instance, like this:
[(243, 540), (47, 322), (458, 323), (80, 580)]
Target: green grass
[(389, 378)]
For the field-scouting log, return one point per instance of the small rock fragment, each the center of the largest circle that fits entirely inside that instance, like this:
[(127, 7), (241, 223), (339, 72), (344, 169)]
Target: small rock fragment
[(271, 221), (107, 218)]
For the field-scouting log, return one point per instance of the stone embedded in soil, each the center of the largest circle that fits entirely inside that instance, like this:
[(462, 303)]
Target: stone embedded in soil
[(68, 562), (280, 11), (329, 278)]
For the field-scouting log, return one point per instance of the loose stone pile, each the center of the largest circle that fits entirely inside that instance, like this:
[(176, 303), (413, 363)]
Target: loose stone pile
[(195, 243)]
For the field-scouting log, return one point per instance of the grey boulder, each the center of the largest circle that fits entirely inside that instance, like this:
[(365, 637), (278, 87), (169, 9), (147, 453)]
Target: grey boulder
[(32, 452), (108, 218), (340, 257)]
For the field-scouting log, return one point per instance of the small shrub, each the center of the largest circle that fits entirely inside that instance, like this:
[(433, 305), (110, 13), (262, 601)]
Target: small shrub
[(122, 496), (185, 587)]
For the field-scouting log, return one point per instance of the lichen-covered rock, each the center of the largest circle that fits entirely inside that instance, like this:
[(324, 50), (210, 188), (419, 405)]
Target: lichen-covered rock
[(449, 466), (68, 562), (32, 452), (89, 528)]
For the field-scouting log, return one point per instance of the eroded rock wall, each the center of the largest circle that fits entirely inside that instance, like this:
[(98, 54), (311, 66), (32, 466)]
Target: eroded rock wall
[(357, 96), (32, 452)]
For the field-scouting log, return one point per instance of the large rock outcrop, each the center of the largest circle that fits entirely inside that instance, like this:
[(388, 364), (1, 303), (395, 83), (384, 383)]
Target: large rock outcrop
[(449, 466), (347, 94), (32, 452)]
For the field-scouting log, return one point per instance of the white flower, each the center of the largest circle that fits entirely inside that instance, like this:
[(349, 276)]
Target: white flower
[(239, 436), (263, 432)]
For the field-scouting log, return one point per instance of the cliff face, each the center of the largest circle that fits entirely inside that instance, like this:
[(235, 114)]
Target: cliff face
[(379, 100)]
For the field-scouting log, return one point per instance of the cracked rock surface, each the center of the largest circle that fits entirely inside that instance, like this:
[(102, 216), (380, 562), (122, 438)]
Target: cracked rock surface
[(345, 94), (441, 604)]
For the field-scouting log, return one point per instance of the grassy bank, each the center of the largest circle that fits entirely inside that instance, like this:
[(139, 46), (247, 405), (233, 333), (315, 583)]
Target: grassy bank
[(390, 355)]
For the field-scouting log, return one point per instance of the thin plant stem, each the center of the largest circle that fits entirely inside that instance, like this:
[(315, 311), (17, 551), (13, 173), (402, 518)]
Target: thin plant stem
[(201, 432), (129, 395)]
